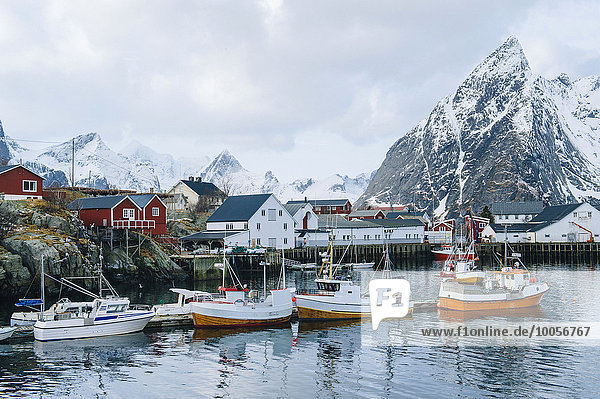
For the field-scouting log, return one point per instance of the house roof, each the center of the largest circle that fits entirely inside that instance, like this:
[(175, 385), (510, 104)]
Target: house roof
[(519, 227), (363, 213), (293, 208), (107, 202), (238, 208), (396, 214), (517, 208), (202, 188), (6, 168), (554, 213), (141, 200), (208, 235), (397, 222), (322, 202), (332, 221)]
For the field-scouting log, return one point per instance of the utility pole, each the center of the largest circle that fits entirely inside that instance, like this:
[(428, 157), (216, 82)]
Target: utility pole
[(73, 167)]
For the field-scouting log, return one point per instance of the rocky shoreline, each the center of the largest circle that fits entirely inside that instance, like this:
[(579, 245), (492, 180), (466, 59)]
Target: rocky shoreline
[(30, 229)]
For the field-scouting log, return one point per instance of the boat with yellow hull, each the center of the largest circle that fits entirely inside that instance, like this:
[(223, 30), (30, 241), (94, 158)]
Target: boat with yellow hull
[(506, 289), (237, 310), (337, 298)]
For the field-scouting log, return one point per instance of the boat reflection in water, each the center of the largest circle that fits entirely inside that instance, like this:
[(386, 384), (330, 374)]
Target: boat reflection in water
[(525, 313)]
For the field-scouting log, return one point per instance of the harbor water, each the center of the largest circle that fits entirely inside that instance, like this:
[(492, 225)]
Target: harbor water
[(316, 360)]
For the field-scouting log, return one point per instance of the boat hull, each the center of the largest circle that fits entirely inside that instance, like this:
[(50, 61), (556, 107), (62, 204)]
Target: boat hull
[(6, 333), (277, 309), (463, 305), (440, 255), (205, 321), (317, 307), (54, 330)]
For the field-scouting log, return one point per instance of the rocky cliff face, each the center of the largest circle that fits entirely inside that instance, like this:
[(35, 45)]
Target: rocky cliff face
[(504, 134), (30, 230)]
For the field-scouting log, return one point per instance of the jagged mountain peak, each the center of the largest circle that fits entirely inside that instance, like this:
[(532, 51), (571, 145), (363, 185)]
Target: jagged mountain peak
[(224, 163), (505, 134)]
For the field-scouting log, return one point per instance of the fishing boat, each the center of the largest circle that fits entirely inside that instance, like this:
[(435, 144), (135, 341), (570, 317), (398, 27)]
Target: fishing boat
[(462, 268), (361, 265), (446, 251), (6, 332), (103, 316), (512, 287), (238, 307), (336, 297), (179, 312)]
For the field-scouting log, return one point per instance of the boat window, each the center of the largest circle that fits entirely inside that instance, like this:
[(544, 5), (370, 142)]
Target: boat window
[(112, 308)]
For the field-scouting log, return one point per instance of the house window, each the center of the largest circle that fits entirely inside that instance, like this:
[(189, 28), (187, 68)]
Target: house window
[(128, 213), (589, 214), (285, 240), (285, 226), (263, 212), (155, 212), (258, 241), (271, 215), (229, 226), (547, 235), (257, 226), (246, 226), (280, 213), (574, 214), (29, 186)]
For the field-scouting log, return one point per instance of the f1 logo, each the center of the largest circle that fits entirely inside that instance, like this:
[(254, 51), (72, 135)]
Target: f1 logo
[(389, 298)]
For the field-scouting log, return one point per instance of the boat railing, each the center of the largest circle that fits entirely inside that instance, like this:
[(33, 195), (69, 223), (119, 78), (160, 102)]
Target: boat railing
[(319, 292)]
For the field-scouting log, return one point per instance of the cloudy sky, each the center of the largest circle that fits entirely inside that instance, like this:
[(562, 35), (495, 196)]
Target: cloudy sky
[(303, 88)]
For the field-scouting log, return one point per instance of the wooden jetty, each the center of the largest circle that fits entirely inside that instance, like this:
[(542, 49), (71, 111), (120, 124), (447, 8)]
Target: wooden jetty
[(553, 253)]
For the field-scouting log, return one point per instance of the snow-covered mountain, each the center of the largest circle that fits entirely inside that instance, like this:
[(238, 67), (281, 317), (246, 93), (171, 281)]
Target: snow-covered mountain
[(226, 172), (138, 167), (10, 150), (504, 134)]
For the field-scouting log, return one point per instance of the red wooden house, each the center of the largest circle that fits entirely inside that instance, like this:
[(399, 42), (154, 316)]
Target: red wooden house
[(328, 206), (19, 183), (143, 212), (475, 225), (446, 225)]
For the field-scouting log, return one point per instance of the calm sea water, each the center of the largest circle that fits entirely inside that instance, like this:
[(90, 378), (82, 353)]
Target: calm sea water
[(320, 360)]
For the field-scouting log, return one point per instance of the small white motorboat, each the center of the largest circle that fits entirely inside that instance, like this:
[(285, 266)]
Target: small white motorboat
[(105, 315), (180, 312), (99, 318), (6, 332)]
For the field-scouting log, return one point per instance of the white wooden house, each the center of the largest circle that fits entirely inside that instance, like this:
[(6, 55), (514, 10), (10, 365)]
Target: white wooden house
[(560, 223), (249, 220), (516, 212)]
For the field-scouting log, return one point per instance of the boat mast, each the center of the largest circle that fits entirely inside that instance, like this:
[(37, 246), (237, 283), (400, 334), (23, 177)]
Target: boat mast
[(224, 263), (265, 278), (283, 265), (505, 245), (43, 296)]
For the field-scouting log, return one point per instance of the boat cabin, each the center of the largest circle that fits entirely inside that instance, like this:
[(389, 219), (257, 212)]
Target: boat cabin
[(338, 288)]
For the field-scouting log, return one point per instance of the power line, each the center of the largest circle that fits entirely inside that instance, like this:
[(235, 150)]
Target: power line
[(30, 141)]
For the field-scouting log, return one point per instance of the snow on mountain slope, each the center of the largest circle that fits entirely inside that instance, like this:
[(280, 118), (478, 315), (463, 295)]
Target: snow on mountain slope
[(503, 135), (226, 172), (168, 169)]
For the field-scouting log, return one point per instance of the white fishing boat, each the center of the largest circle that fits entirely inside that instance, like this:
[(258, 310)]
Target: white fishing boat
[(180, 311), (336, 298), (512, 287), (238, 307), (6, 332), (100, 317)]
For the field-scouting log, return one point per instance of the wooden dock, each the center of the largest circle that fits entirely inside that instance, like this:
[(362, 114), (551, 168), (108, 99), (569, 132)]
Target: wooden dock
[(564, 253)]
